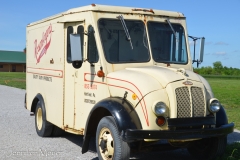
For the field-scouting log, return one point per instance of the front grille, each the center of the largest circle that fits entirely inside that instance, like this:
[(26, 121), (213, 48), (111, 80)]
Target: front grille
[(197, 102), (183, 102), (190, 106)]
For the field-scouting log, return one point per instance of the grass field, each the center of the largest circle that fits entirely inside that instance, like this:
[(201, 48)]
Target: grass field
[(13, 79), (232, 152), (228, 92), (221, 77)]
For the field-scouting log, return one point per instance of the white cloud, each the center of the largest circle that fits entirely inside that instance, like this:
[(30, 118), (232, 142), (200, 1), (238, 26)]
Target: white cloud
[(225, 58), (221, 43), (235, 51), (220, 53)]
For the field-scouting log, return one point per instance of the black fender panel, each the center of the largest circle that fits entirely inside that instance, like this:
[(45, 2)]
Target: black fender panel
[(37, 98), (122, 111), (221, 117)]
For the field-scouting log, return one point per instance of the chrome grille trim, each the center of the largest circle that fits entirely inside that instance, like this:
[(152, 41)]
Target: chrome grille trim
[(183, 102), (190, 102), (198, 102)]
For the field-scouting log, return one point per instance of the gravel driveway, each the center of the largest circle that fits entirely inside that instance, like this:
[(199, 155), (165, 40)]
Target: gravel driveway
[(19, 140)]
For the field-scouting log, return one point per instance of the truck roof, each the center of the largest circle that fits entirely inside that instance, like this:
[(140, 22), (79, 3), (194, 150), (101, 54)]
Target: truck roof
[(113, 9)]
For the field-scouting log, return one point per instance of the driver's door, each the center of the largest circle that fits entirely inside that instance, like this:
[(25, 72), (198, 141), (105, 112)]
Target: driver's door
[(73, 78)]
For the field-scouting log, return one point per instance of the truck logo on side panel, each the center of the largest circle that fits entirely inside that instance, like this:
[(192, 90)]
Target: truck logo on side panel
[(42, 46)]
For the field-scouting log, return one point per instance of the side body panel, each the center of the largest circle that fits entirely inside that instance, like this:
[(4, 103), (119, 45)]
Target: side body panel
[(45, 76)]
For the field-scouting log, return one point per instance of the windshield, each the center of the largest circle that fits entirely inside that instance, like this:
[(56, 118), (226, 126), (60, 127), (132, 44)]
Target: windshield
[(117, 47), (167, 46)]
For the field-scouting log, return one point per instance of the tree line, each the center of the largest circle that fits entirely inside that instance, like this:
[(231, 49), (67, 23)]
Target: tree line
[(217, 69)]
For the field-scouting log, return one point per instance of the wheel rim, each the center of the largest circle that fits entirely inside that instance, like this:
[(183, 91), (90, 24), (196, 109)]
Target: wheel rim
[(39, 119), (106, 144)]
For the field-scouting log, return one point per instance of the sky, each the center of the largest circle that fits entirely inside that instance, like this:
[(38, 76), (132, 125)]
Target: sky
[(216, 20)]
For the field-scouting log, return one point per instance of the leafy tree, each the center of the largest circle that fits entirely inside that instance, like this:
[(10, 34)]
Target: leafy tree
[(217, 69), (226, 71), (217, 66), (208, 70)]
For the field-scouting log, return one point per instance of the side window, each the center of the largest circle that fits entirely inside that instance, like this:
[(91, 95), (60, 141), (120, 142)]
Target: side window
[(92, 47), (69, 31), (80, 30)]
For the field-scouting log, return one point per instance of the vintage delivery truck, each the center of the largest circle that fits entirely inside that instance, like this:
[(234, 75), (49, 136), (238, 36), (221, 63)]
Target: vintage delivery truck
[(125, 76)]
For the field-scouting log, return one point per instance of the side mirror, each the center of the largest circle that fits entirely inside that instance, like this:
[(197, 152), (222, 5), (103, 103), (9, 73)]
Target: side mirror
[(201, 52), (90, 29), (201, 49), (76, 52)]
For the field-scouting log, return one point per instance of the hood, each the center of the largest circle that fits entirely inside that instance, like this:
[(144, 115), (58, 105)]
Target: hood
[(143, 80), (167, 75), (131, 81)]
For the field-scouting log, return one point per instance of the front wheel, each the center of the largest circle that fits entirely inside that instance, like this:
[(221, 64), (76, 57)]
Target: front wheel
[(109, 144), (208, 148)]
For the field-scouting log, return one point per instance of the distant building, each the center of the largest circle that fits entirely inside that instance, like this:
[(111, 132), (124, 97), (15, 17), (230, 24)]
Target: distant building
[(12, 61)]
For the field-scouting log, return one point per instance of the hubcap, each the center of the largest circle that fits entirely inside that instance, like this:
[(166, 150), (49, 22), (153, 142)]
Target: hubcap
[(39, 119), (106, 144)]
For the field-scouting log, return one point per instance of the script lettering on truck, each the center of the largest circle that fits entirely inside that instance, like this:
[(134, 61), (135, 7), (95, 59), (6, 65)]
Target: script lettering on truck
[(42, 46)]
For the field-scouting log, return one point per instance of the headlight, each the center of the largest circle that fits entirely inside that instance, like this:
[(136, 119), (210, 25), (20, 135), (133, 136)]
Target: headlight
[(214, 105), (160, 108)]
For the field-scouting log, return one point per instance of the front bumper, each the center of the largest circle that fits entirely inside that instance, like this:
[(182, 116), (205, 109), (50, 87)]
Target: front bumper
[(131, 135)]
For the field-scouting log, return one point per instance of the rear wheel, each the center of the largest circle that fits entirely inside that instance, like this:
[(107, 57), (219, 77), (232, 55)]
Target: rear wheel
[(208, 148), (43, 127), (108, 141)]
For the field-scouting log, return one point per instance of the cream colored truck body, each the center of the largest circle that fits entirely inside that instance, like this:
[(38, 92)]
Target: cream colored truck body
[(70, 94)]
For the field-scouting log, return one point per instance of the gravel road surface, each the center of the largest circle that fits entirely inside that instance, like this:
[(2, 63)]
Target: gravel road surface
[(19, 140)]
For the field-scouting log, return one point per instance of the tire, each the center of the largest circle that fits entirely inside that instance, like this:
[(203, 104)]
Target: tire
[(109, 144), (57, 132), (208, 148), (43, 127)]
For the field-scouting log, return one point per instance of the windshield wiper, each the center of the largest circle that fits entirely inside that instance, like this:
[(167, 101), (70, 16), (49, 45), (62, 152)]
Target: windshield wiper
[(173, 32), (171, 28), (125, 29)]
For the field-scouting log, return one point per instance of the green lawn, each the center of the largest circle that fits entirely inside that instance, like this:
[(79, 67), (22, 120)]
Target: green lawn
[(232, 152), (228, 92), (13, 79)]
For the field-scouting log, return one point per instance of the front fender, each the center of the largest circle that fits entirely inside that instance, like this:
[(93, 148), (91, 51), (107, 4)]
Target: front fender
[(121, 110), (221, 117)]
